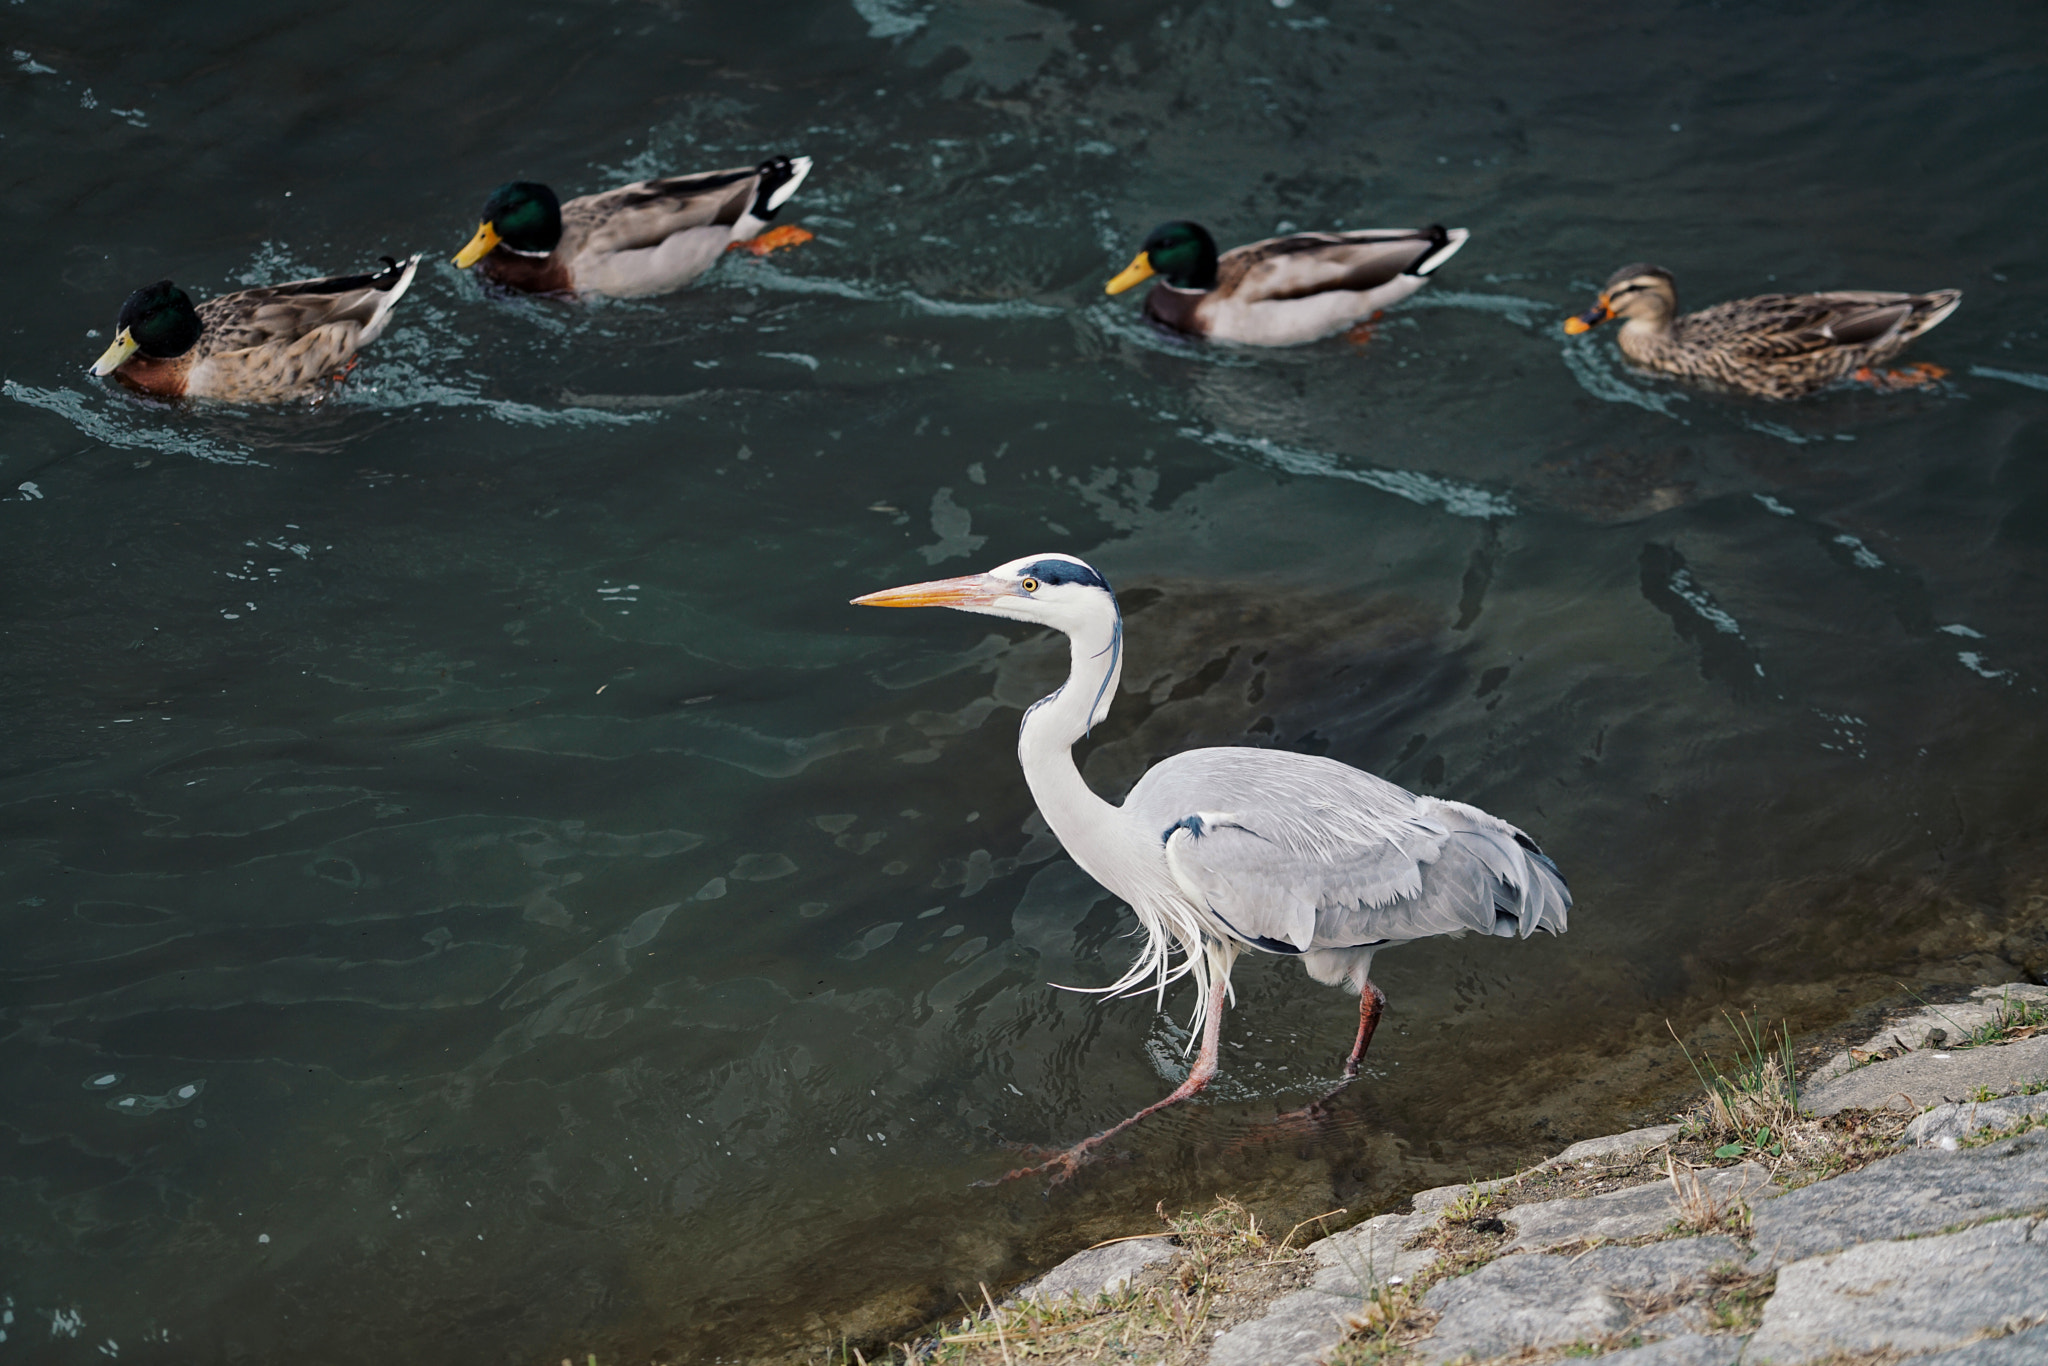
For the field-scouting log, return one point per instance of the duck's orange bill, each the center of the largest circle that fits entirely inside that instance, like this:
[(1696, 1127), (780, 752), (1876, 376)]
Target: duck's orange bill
[(969, 590), (479, 247), (1590, 319), (1136, 273)]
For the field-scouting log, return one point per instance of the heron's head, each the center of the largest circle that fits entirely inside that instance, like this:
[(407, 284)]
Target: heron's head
[(1051, 589), (1638, 291)]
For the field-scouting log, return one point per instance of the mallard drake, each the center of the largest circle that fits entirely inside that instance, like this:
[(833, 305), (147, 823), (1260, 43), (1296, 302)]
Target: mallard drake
[(649, 237), (1284, 290), (254, 346), (1774, 345)]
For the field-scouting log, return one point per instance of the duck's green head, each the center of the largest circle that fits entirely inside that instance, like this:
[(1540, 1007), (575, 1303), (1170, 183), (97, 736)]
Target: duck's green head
[(1181, 253), (523, 215), (158, 320)]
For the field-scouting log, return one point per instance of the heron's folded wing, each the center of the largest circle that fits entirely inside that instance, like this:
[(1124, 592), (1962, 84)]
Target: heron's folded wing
[(1283, 885), (1294, 852)]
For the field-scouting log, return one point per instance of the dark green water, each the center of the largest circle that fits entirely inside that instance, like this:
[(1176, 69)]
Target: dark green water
[(472, 891)]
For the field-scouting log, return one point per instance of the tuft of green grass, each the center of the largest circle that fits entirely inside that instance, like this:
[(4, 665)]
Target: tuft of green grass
[(1756, 1094), (2013, 1014), (2020, 1126), (2012, 1017), (1468, 1204)]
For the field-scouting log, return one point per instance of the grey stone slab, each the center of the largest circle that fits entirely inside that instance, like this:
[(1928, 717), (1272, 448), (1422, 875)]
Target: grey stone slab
[(1922, 1191), (1099, 1270), (1301, 1327), (1931, 1077), (1964, 1118), (1917, 1295), (1955, 1021), (1436, 1198), (1297, 1329), (2019, 1349), (1686, 1320), (1616, 1145), (1690, 1349), (1633, 1212), (1351, 1263), (1536, 1300)]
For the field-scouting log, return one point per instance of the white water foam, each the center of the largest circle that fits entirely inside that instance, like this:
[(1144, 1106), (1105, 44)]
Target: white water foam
[(1460, 500)]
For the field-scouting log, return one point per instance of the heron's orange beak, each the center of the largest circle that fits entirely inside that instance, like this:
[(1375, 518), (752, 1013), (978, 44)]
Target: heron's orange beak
[(479, 247), (1590, 319), (1137, 272), (969, 590)]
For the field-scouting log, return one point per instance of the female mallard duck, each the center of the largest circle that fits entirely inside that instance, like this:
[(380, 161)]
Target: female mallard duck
[(1284, 290), (256, 346), (1774, 345), (646, 238)]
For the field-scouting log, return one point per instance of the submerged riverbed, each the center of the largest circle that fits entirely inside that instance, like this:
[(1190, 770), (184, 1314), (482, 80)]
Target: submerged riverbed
[(471, 886)]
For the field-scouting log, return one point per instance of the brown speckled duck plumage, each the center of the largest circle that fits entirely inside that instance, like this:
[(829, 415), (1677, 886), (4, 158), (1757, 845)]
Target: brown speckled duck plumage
[(264, 345), (1282, 291), (1774, 345), (650, 237)]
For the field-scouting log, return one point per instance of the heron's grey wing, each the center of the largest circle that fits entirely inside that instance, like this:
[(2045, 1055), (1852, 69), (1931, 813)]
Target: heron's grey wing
[(1292, 852)]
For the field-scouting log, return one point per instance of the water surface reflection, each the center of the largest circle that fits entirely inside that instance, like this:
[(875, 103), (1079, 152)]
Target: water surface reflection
[(473, 888)]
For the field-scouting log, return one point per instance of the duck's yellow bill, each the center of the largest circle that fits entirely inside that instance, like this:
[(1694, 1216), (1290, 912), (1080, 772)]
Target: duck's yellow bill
[(479, 246), (969, 590), (1590, 319), (110, 359), (1137, 272)]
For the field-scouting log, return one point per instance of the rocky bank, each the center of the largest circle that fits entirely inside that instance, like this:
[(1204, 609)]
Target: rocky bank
[(1902, 1217)]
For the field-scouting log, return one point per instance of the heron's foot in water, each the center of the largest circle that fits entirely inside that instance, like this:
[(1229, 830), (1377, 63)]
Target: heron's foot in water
[(1063, 1165), (1313, 1117)]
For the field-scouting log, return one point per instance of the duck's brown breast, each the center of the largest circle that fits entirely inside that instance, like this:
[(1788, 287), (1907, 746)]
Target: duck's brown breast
[(1176, 308), (531, 274), (164, 378)]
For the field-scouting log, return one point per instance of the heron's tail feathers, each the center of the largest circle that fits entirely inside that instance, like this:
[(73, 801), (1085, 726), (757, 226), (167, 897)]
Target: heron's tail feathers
[(1529, 893)]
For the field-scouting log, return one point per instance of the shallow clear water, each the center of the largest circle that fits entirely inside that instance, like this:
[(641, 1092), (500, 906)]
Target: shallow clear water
[(473, 889)]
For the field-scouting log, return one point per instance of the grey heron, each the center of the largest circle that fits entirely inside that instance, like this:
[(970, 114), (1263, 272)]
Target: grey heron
[(1222, 850)]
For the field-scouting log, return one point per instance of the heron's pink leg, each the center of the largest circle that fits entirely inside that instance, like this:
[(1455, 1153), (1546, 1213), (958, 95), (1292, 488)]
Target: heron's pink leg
[(1371, 1002), (1199, 1076)]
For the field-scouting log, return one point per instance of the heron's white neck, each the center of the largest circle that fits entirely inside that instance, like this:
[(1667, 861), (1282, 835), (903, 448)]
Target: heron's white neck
[(1092, 830), (1103, 838)]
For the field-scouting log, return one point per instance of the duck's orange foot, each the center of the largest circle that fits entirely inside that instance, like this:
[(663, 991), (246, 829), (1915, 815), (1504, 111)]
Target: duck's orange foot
[(775, 239), (345, 371), (1363, 333), (1914, 376)]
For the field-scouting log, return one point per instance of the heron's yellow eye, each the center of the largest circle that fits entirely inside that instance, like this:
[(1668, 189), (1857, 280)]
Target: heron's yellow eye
[(1031, 585)]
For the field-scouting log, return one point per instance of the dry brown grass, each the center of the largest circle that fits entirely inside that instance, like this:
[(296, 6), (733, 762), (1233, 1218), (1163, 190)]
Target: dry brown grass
[(1229, 1269)]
